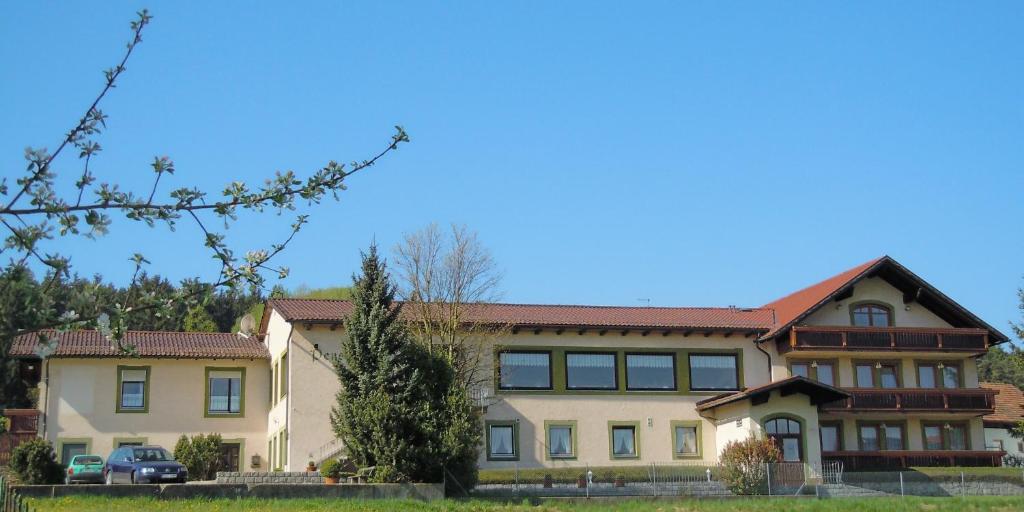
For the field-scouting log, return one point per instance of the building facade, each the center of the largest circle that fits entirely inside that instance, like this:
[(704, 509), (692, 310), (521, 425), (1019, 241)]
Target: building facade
[(872, 367), (1008, 414)]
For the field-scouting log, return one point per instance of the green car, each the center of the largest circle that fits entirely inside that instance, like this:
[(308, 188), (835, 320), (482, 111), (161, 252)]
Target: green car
[(84, 469)]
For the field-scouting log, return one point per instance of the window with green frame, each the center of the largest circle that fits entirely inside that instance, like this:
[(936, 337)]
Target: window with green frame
[(225, 392), (502, 438), (935, 374), (686, 440), (560, 439), (133, 389), (880, 436), (945, 436), (623, 439), (823, 371), (878, 374), (284, 375)]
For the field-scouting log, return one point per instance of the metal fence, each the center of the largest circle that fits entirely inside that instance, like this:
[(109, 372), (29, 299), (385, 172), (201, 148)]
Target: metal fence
[(11, 501), (700, 479)]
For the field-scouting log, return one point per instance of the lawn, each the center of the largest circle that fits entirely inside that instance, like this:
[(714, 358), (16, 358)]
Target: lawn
[(971, 504)]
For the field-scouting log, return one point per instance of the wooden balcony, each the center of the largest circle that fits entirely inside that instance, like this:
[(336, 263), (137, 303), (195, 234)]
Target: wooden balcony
[(885, 339), (978, 401), (898, 459)]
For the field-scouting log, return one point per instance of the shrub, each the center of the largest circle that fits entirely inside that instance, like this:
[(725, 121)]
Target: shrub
[(35, 463), (200, 454), (743, 465), (1013, 461), (331, 468)]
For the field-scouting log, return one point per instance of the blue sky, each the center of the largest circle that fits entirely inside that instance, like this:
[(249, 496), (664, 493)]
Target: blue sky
[(687, 153)]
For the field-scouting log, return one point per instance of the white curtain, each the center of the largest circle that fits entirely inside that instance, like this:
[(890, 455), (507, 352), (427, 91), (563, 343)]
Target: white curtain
[(648, 361), (590, 360), (712, 361)]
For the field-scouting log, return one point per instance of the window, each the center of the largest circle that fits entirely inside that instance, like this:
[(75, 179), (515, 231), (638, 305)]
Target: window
[(283, 385), (590, 371), (710, 372), (623, 441), (800, 370), (224, 391), (68, 448), (788, 437), (865, 376), (875, 375), (945, 436), (831, 437), (273, 383), (998, 445), (561, 439), (931, 375), (121, 442), (132, 389), (871, 315), (685, 439), (652, 372), (881, 436), (821, 371), (230, 456), (502, 440), (524, 370)]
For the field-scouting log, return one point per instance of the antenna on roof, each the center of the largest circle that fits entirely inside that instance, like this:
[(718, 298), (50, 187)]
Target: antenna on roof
[(646, 302), (247, 325)]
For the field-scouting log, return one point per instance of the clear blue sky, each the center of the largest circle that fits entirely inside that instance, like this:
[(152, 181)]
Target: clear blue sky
[(690, 154)]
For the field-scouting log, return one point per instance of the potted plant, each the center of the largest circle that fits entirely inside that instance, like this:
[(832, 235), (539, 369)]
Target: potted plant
[(548, 481), (331, 471), (310, 467), (620, 480)]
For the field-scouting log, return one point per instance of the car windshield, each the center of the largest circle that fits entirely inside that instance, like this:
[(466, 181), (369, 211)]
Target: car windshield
[(150, 454), (88, 459)]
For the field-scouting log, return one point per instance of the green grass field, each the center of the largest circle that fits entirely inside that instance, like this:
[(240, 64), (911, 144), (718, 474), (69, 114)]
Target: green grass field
[(970, 504)]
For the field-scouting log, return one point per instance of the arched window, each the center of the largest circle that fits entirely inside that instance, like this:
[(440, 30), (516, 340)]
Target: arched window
[(788, 436), (871, 315)]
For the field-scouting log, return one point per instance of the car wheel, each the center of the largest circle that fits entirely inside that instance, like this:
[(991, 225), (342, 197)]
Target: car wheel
[(109, 478)]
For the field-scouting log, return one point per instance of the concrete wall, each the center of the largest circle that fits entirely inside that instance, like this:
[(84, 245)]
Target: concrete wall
[(81, 404)]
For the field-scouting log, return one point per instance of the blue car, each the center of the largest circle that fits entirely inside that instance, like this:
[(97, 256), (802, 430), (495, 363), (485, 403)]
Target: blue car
[(142, 465)]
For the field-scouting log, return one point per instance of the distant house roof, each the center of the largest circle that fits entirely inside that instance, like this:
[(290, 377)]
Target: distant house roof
[(535, 315), (819, 393), (793, 308), (179, 345), (1009, 407)]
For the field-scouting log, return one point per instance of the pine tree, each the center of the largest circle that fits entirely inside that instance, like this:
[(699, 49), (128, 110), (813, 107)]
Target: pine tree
[(380, 402)]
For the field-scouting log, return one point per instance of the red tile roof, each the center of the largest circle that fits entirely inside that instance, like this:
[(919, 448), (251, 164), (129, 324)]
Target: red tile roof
[(535, 315), (792, 307), (1009, 404), (191, 345)]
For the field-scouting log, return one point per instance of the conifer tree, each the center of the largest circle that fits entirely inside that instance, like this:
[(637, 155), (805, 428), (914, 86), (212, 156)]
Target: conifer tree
[(378, 406)]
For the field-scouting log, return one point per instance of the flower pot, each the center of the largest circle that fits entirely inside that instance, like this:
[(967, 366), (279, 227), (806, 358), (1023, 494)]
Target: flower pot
[(548, 482), (620, 481), (330, 480), (581, 482), (310, 468)]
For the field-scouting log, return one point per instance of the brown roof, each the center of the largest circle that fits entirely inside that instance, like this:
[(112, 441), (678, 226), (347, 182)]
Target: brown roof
[(191, 345), (1009, 407), (792, 307), (818, 392), (535, 315)]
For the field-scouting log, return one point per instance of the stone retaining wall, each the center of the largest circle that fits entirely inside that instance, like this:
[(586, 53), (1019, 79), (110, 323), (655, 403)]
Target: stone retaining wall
[(422, 492), (269, 477)]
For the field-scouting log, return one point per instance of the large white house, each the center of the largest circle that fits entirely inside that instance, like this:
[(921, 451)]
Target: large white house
[(873, 367)]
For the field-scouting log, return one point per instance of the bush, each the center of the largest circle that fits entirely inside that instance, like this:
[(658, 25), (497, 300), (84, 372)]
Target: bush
[(743, 465), (200, 454), (1013, 461), (331, 468), (35, 463)]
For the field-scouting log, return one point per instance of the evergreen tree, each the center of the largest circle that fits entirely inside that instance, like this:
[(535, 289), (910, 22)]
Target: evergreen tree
[(198, 320), (378, 409)]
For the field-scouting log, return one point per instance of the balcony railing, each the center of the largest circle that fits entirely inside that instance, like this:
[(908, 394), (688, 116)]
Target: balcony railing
[(897, 459), (981, 401), (886, 339)]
